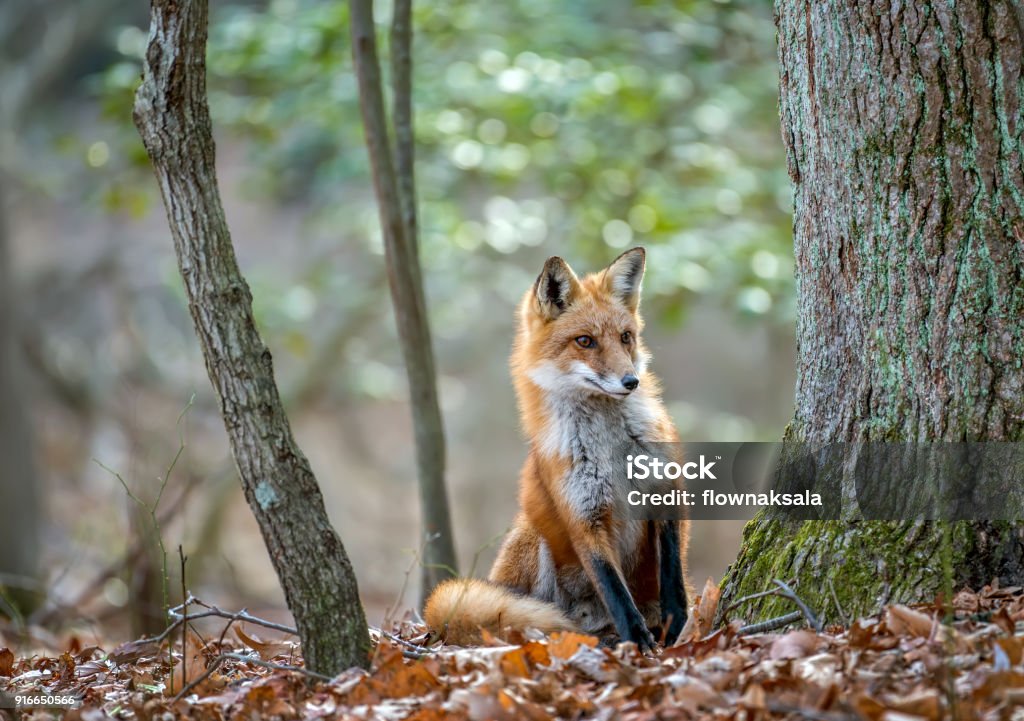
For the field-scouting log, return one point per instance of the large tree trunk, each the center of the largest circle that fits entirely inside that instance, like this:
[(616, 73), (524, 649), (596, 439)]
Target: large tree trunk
[(172, 115), (903, 128)]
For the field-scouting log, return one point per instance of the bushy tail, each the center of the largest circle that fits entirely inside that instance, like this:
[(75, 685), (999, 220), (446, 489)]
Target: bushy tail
[(459, 608)]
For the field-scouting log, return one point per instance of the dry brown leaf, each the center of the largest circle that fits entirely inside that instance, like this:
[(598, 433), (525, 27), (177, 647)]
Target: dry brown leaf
[(6, 662), (795, 644), (1013, 647), (867, 706), (190, 667), (702, 616), (514, 663), (901, 619), (924, 703), (133, 651), (266, 649), (692, 692), (754, 698), (564, 644)]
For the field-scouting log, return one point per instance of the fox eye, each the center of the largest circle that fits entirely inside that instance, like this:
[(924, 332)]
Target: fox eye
[(627, 337), (584, 341)]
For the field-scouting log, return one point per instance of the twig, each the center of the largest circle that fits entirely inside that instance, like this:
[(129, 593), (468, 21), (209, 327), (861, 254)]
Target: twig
[(214, 665), (243, 615), (839, 608), (399, 640), (789, 593), (771, 624), (184, 623), (228, 625), (178, 614), (752, 597), (216, 662), (277, 666)]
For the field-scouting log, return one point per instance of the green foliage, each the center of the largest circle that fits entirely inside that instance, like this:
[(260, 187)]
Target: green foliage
[(584, 131), (579, 130)]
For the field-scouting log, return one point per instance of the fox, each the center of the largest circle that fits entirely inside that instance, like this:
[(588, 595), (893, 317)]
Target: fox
[(573, 560)]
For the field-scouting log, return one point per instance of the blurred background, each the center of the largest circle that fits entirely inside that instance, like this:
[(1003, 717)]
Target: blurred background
[(578, 129)]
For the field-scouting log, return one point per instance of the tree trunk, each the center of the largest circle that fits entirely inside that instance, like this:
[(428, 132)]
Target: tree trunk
[(396, 201), (20, 501), (172, 115), (903, 127)]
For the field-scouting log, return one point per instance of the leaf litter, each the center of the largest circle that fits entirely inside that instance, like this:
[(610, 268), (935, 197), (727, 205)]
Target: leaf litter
[(904, 664)]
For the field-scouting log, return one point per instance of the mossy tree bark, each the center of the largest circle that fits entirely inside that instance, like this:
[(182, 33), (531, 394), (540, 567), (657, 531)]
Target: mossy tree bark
[(903, 127), (173, 118)]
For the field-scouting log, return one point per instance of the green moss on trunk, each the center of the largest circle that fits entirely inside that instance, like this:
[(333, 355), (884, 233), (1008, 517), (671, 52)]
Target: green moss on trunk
[(905, 146)]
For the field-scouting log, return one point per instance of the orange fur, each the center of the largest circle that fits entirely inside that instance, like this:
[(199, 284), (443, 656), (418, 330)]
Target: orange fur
[(462, 607), (575, 337)]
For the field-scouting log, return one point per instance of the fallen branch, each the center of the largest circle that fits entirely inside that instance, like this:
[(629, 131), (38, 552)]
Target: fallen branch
[(215, 664), (783, 590), (771, 624), (416, 650), (179, 613), (788, 592)]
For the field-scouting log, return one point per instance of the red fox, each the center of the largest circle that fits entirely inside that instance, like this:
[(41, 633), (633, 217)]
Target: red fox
[(572, 560)]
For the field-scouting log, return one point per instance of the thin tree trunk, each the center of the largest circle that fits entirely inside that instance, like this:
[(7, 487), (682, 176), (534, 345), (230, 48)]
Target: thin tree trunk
[(172, 116), (397, 206), (20, 500), (903, 126)]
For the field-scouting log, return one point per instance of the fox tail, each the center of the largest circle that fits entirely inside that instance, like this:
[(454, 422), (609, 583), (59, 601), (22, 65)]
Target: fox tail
[(458, 609)]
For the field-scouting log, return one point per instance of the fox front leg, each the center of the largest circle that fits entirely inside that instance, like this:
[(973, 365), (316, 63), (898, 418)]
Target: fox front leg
[(672, 587)]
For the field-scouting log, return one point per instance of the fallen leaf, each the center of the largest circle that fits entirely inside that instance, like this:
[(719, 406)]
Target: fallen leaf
[(795, 644), (6, 662), (565, 643), (702, 617), (189, 668), (901, 619), (134, 650), (923, 703), (266, 649)]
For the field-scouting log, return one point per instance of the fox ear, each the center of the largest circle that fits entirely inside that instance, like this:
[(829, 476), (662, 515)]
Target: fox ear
[(556, 288), (622, 278)]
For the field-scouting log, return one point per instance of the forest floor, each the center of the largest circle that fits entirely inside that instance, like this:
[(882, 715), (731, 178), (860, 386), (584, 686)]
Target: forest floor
[(900, 665)]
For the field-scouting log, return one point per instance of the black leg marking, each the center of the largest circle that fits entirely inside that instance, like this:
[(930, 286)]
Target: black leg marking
[(625, 615), (673, 590)]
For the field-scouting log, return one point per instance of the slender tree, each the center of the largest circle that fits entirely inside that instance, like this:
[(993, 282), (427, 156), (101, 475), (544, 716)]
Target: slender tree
[(396, 201), (27, 72), (904, 129), (172, 115), (20, 500)]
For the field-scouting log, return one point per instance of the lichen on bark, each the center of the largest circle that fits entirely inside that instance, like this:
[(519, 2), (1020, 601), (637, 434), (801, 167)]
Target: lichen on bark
[(903, 129), (172, 116)]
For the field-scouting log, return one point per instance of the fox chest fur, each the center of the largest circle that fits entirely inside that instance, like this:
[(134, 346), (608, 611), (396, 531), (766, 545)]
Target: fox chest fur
[(575, 482)]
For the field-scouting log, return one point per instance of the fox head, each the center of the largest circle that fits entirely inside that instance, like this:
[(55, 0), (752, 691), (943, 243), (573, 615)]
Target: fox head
[(583, 336)]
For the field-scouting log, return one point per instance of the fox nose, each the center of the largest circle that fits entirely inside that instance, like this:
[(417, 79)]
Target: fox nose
[(630, 381)]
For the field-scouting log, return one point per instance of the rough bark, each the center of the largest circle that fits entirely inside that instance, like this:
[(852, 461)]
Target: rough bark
[(397, 206), (903, 128), (172, 115)]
